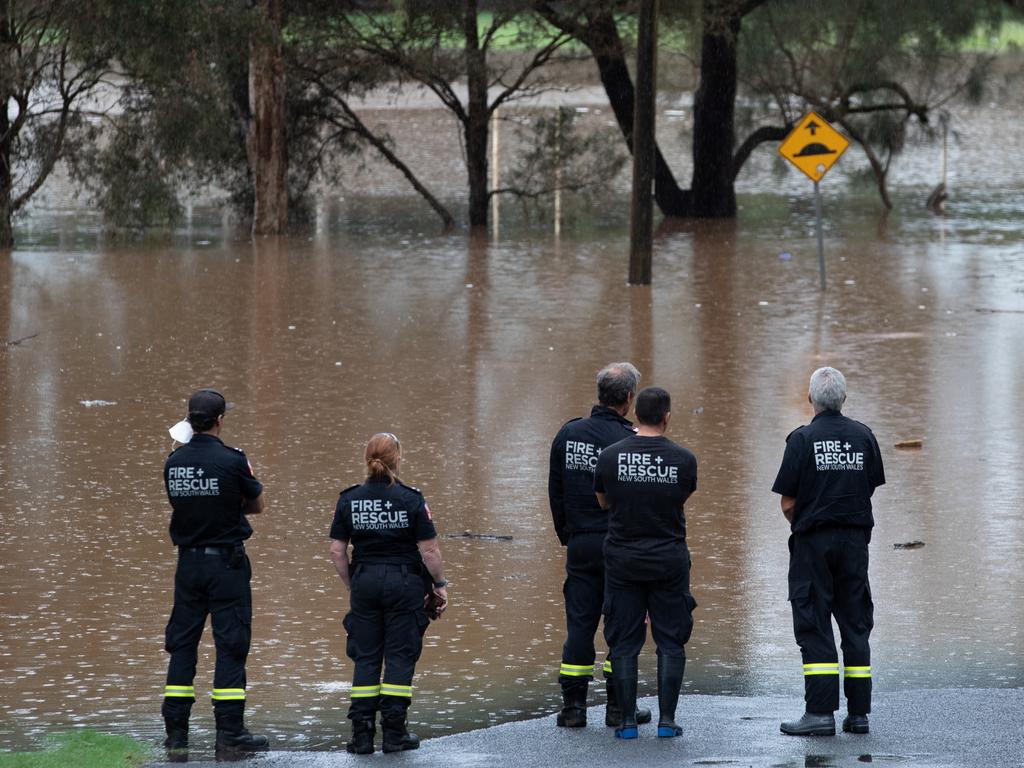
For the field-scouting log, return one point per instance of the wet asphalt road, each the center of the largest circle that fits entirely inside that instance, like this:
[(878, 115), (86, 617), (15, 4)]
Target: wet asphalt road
[(948, 727)]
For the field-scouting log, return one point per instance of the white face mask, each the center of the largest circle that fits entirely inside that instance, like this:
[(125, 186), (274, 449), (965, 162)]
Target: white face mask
[(181, 432)]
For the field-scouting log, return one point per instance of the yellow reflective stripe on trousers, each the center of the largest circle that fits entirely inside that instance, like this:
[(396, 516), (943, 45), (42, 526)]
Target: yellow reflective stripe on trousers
[(864, 672), (365, 691), (822, 669), (608, 666), (228, 694), (179, 692), (576, 670), (390, 689)]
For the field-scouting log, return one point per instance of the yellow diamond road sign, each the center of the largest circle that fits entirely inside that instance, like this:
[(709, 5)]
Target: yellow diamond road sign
[(813, 146)]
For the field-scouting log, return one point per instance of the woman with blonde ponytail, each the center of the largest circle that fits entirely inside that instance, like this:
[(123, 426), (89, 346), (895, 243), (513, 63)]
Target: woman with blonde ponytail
[(394, 572)]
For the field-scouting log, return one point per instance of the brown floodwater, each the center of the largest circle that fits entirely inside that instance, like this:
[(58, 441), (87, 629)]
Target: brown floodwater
[(474, 350)]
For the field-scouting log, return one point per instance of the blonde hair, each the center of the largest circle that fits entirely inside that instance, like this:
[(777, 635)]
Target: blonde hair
[(383, 453)]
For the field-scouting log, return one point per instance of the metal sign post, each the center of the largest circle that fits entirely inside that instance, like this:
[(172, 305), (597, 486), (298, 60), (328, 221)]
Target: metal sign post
[(814, 146)]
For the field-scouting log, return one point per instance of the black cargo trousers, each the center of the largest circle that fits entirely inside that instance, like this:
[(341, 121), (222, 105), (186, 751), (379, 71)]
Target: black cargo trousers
[(209, 581), (828, 576), (385, 627), (584, 595)]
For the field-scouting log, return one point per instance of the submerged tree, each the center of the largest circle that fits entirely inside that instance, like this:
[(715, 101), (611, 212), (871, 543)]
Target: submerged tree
[(53, 61), (870, 65)]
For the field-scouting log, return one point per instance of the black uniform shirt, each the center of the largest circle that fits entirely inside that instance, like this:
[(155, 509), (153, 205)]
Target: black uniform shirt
[(383, 522), (206, 482), (574, 453), (831, 467), (646, 480)]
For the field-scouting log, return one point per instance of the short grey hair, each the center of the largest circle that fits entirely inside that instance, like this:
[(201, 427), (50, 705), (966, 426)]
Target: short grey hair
[(827, 389), (616, 382)]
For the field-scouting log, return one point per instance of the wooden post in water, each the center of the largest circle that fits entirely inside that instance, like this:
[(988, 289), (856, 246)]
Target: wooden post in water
[(495, 168), (558, 172), (641, 223)]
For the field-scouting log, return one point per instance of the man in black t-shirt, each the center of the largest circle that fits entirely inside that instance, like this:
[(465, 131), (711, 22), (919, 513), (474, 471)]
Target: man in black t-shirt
[(644, 481), (829, 471), (581, 525), (211, 488)]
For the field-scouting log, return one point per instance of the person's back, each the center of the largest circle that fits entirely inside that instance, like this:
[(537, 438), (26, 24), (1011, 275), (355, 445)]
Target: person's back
[(647, 480)]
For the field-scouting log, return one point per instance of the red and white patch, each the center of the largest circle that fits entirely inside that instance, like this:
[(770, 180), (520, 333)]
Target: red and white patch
[(250, 467), (426, 508)]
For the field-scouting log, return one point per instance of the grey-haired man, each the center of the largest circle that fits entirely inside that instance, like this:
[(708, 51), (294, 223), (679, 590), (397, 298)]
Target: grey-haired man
[(830, 469), (581, 526)]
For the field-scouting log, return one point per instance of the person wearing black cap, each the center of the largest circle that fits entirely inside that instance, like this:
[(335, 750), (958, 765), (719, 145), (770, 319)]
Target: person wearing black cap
[(211, 488), (395, 569), (581, 526), (644, 481)]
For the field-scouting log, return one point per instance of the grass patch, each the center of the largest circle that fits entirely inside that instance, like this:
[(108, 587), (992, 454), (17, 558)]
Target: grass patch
[(82, 749)]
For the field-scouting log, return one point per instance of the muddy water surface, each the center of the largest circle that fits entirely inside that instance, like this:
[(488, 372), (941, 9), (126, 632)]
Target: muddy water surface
[(474, 351)]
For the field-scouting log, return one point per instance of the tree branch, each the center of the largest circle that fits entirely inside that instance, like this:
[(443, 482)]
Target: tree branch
[(763, 134)]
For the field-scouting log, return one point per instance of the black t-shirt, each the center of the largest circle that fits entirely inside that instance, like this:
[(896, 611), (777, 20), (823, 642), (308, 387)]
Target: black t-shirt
[(646, 480), (831, 467), (574, 453), (383, 522), (206, 482)]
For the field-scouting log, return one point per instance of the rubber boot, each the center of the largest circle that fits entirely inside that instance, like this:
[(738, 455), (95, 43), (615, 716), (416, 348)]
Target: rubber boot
[(363, 731), (396, 735), (810, 724), (612, 710), (574, 705), (176, 742), (232, 737), (670, 680), (625, 689), (856, 724)]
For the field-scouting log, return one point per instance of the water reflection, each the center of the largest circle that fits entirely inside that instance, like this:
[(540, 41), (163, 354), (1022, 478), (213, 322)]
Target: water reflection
[(474, 352)]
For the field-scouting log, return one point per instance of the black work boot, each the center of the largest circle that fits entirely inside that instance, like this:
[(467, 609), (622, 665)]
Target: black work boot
[(363, 731), (810, 724), (396, 735), (612, 710), (625, 691), (856, 724), (232, 737), (670, 680), (176, 742), (574, 705)]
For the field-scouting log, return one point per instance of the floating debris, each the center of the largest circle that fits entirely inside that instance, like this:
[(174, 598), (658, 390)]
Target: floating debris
[(97, 403), (478, 536), (16, 342), (908, 545), (914, 443), (699, 409)]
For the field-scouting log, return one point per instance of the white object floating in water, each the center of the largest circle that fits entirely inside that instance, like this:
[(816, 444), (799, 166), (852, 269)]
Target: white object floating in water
[(291, 327), (849, 282), (96, 403), (181, 432), (762, 303)]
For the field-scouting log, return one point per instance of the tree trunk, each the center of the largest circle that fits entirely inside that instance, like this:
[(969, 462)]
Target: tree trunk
[(6, 174), (266, 144), (641, 228), (603, 40), (478, 119), (713, 109)]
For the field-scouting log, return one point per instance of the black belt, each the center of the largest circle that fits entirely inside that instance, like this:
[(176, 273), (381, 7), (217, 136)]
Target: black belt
[(208, 550), (381, 567)]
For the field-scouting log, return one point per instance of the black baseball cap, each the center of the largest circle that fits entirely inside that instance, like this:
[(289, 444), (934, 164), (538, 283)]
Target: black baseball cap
[(207, 404)]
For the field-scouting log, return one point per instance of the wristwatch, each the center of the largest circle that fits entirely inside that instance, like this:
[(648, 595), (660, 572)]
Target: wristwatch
[(441, 584)]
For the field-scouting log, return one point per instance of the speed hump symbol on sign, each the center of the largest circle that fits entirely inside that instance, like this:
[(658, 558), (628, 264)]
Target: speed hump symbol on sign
[(813, 146)]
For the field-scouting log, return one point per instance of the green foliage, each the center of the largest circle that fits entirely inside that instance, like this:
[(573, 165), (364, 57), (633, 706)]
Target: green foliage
[(559, 155), (82, 749)]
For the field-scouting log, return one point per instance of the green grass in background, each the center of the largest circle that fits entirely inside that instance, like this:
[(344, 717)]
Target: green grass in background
[(82, 749)]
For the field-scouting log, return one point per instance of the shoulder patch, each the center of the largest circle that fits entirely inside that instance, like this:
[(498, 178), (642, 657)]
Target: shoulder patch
[(412, 488)]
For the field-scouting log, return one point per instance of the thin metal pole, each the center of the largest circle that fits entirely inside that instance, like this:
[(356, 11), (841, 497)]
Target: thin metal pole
[(821, 237), (495, 170)]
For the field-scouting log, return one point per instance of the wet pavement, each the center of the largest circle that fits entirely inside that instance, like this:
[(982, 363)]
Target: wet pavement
[(913, 729)]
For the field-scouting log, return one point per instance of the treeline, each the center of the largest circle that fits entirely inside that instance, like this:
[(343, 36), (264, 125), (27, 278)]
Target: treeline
[(144, 100)]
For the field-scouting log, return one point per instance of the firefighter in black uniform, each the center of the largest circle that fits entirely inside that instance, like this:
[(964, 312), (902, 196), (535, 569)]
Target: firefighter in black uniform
[(395, 568), (581, 525), (644, 480), (211, 488), (829, 471)]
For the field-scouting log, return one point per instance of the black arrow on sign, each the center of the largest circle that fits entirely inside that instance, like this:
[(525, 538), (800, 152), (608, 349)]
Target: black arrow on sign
[(813, 127)]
